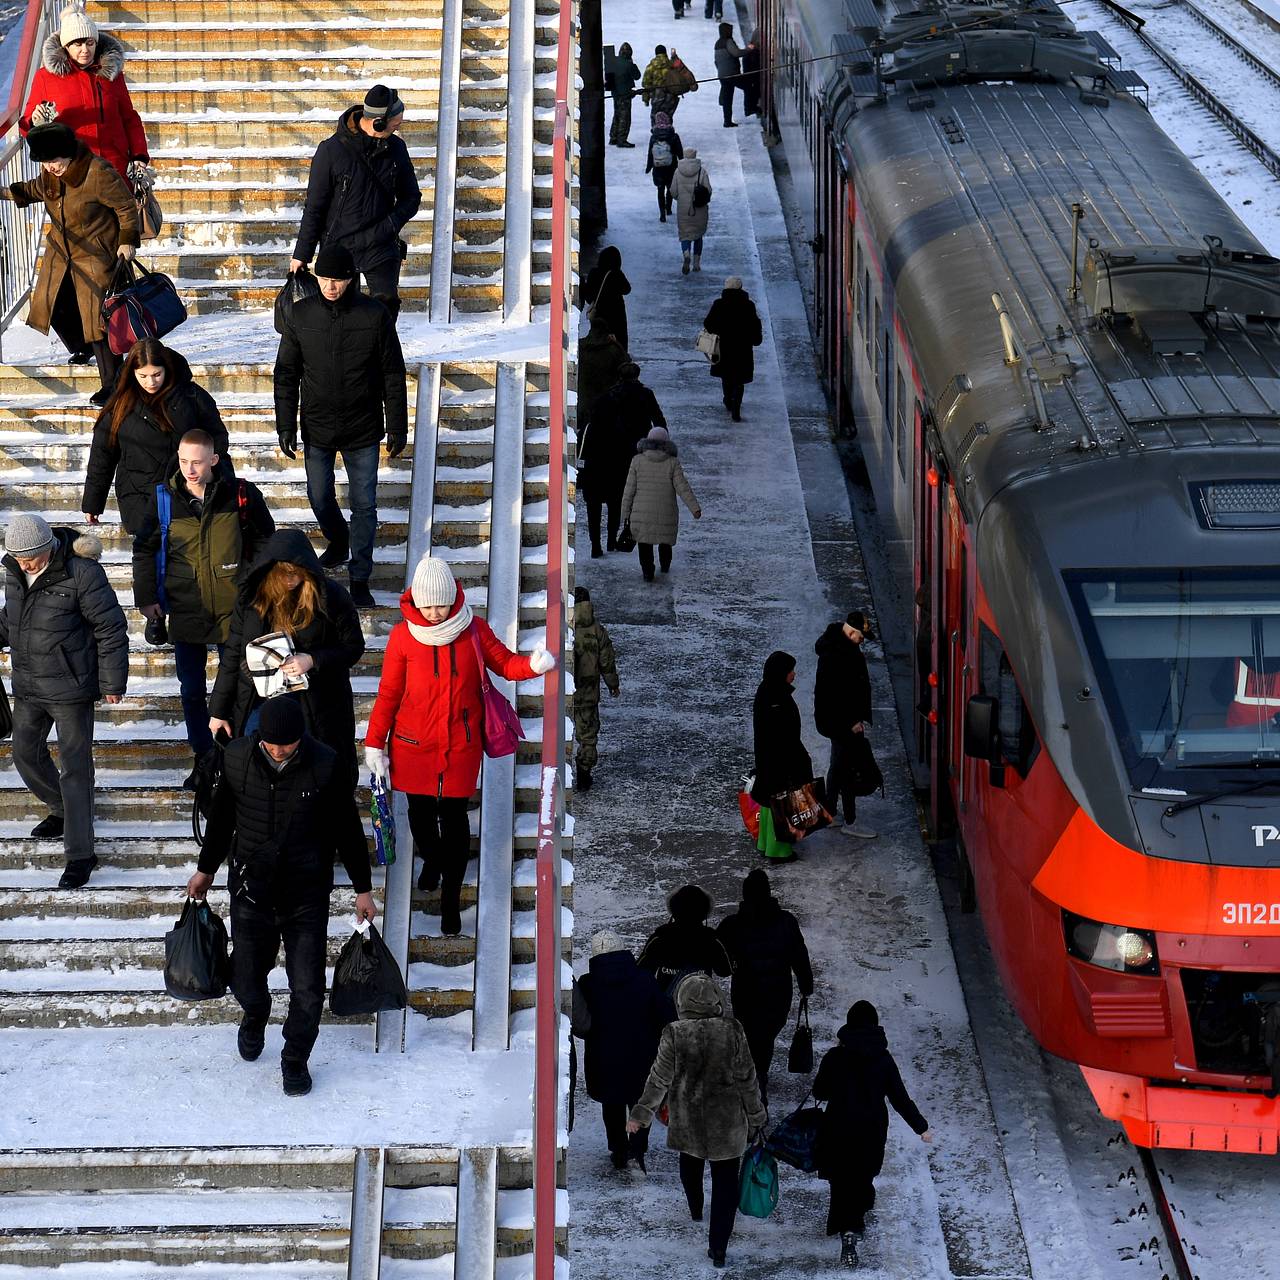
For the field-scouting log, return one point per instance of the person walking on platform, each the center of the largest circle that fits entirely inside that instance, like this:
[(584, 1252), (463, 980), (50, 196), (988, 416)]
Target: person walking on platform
[(592, 662), (68, 646), (750, 78), (665, 152), (691, 190), (781, 759), (618, 1013), (654, 482), (685, 944), (842, 710), (600, 360), (426, 726), (283, 814), (654, 92), (734, 319), (766, 947), (855, 1079), (728, 66), (625, 75), (603, 292), (704, 1073)]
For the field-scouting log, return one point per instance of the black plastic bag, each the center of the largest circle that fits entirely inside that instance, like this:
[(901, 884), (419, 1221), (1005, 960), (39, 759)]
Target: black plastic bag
[(800, 1057), (196, 963), (298, 286), (864, 774), (366, 978), (6, 713)]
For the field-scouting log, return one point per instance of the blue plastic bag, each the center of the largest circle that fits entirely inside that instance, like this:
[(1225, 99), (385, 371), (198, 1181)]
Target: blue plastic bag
[(794, 1139)]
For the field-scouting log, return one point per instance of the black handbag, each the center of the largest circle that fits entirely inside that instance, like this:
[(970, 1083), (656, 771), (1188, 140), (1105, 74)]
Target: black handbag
[(794, 1139), (800, 1056), (626, 540), (864, 774)]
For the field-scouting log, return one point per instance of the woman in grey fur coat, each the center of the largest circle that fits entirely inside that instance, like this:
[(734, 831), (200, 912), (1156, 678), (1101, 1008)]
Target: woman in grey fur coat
[(705, 1074), (654, 481)]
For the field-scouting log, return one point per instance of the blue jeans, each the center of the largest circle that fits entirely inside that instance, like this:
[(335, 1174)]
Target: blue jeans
[(362, 486), (695, 245), (190, 658)]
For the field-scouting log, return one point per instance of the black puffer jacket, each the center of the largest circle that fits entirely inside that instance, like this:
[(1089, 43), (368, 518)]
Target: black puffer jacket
[(144, 453), (842, 688), (333, 639), (360, 193), (621, 418), (766, 946), (781, 759), (66, 630), (684, 946), (286, 825), (345, 358)]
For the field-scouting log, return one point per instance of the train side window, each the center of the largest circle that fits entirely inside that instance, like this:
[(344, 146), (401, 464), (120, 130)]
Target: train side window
[(866, 315), (879, 359), (1018, 741), (900, 422), (861, 299)]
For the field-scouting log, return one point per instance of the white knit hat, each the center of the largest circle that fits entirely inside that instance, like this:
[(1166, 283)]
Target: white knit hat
[(27, 534), (605, 942), (433, 583), (76, 25)]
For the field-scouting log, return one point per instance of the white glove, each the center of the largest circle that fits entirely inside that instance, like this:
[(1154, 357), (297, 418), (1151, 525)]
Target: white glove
[(378, 763), (540, 660), (45, 113)]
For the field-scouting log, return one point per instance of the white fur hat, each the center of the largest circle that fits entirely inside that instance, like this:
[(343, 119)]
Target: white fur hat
[(75, 24), (433, 583), (605, 942)]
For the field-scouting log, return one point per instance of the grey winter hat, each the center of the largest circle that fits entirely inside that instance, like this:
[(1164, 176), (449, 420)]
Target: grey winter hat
[(381, 102), (733, 282), (658, 433), (605, 942), (27, 534)]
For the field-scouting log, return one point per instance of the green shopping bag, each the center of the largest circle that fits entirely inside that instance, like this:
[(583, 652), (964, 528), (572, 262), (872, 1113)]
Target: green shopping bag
[(758, 1183)]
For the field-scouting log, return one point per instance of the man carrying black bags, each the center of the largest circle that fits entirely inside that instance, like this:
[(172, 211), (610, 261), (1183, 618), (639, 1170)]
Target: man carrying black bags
[(277, 808)]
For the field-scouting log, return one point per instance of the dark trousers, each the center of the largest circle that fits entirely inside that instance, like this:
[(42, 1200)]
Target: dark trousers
[(620, 129), (257, 930), (67, 787), (852, 1198), (646, 558), (443, 835), (714, 9), (383, 282), (65, 321), (726, 99), (622, 1143), (190, 659), (762, 1037), (839, 777), (732, 392), (362, 492), (724, 1196), (596, 502), (662, 181)]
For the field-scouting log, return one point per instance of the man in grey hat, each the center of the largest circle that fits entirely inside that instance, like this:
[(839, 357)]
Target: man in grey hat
[(69, 647), (361, 192)]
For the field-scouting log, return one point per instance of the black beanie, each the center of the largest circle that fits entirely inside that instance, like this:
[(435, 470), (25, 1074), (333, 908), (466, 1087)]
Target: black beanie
[(580, 594), (691, 905), (335, 262), (862, 1015), (756, 888), (381, 102), (52, 142), (281, 723)]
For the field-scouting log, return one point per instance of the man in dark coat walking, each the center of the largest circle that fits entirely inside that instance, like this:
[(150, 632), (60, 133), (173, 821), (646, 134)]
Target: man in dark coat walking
[(342, 353), (69, 646), (685, 944), (618, 1013), (766, 947), (734, 319), (842, 710), (283, 816), (854, 1080), (360, 193)]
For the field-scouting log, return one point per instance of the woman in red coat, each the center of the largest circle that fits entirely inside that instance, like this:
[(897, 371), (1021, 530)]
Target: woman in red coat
[(430, 711), (81, 84)]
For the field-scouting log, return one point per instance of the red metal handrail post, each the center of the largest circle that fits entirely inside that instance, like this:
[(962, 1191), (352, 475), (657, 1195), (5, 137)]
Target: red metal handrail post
[(546, 1090)]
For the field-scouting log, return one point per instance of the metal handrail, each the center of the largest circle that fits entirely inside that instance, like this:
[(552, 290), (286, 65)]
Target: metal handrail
[(546, 1093)]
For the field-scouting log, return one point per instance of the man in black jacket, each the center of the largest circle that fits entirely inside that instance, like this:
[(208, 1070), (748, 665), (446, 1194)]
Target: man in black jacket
[(361, 192), (842, 708), (342, 353), (277, 808), (69, 646)]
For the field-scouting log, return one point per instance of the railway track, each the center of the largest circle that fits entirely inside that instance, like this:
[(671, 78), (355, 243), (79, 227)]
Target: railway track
[(1176, 1248)]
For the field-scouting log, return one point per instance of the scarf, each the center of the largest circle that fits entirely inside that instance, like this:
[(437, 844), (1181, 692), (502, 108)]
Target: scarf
[(445, 632)]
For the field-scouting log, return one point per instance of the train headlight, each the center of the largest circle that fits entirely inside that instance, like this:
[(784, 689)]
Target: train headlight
[(1110, 946)]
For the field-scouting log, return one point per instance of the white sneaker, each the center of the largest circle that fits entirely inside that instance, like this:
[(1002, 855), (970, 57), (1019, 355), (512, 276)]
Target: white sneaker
[(857, 832)]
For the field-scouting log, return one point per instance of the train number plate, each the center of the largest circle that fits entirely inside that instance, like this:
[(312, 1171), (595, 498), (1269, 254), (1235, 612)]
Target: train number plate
[(1251, 913)]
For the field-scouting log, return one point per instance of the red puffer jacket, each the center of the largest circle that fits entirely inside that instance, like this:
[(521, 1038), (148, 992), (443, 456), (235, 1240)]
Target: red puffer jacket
[(92, 101), (430, 707)]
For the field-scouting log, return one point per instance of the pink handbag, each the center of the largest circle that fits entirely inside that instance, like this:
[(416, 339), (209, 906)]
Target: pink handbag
[(500, 730)]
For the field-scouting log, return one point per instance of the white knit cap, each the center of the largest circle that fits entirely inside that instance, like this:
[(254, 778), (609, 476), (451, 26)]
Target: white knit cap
[(76, 25), (433, 583), (605, 942)]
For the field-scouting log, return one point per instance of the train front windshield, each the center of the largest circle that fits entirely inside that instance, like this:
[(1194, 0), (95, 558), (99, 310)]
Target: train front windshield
[(1189, 664)]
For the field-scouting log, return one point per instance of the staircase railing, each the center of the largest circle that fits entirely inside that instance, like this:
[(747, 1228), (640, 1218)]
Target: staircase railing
[(20, 229), (546, 1118)]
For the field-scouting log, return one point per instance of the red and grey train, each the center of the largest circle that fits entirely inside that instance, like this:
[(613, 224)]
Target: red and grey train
[(1059, 350)]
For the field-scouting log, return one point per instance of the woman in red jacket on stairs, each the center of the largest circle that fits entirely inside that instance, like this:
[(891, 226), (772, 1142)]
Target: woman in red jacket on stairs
[(430, 711)]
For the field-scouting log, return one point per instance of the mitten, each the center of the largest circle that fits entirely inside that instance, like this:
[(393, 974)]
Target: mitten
[(540, 660)]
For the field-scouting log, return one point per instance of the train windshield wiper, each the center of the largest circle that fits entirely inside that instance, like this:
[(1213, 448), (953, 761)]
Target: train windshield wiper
[(1222, 793)]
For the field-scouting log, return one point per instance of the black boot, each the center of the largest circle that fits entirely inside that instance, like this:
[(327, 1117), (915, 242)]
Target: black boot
[(450, 912), (251, 1037), (77, 873), (49, 829), (428, 877), (295, 1077), (597, 551), (582, 779), (336, 553), (848, 1250), (361, 596)]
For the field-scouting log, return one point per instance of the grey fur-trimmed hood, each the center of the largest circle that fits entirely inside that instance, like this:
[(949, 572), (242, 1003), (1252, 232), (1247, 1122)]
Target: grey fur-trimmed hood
[(56, 60), (666, 447)]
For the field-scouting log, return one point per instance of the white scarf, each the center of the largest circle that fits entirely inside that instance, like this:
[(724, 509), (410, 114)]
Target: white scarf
[(445, 632)]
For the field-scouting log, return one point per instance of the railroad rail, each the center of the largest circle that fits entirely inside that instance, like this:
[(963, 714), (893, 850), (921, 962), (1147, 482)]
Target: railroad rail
[(1174, 1244)]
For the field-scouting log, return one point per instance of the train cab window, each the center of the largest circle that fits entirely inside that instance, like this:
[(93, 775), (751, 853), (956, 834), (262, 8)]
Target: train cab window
[(900, 422), (995, 678)]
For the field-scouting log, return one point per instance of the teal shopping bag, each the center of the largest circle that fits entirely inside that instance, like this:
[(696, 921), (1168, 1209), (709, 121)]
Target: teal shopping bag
[(758, 1183)]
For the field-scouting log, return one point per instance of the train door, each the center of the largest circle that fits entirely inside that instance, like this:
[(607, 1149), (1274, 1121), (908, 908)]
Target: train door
[(931, 716), (959, 614)]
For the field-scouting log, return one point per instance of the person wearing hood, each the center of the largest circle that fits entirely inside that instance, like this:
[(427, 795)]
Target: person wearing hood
[(691, 184), (68, 646), (781, 759), (705, 1074), (734, 319), (602, 294), (625, 74), (155, 403), (81, 84), (842, 709), (855, 1079), (342, 355), (426, 726), (665, 152), (766, 947), (685, 944), (654, 482), (618, 1013), (360, 193), (92, 226), (286, 591), (654, 82), (600, 360), (592, 662), (750, 78), (728, 65)]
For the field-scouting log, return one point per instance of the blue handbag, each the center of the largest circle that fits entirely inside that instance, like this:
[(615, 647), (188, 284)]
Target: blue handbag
[(758, 1183), (134, 308), (794, 1139)]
